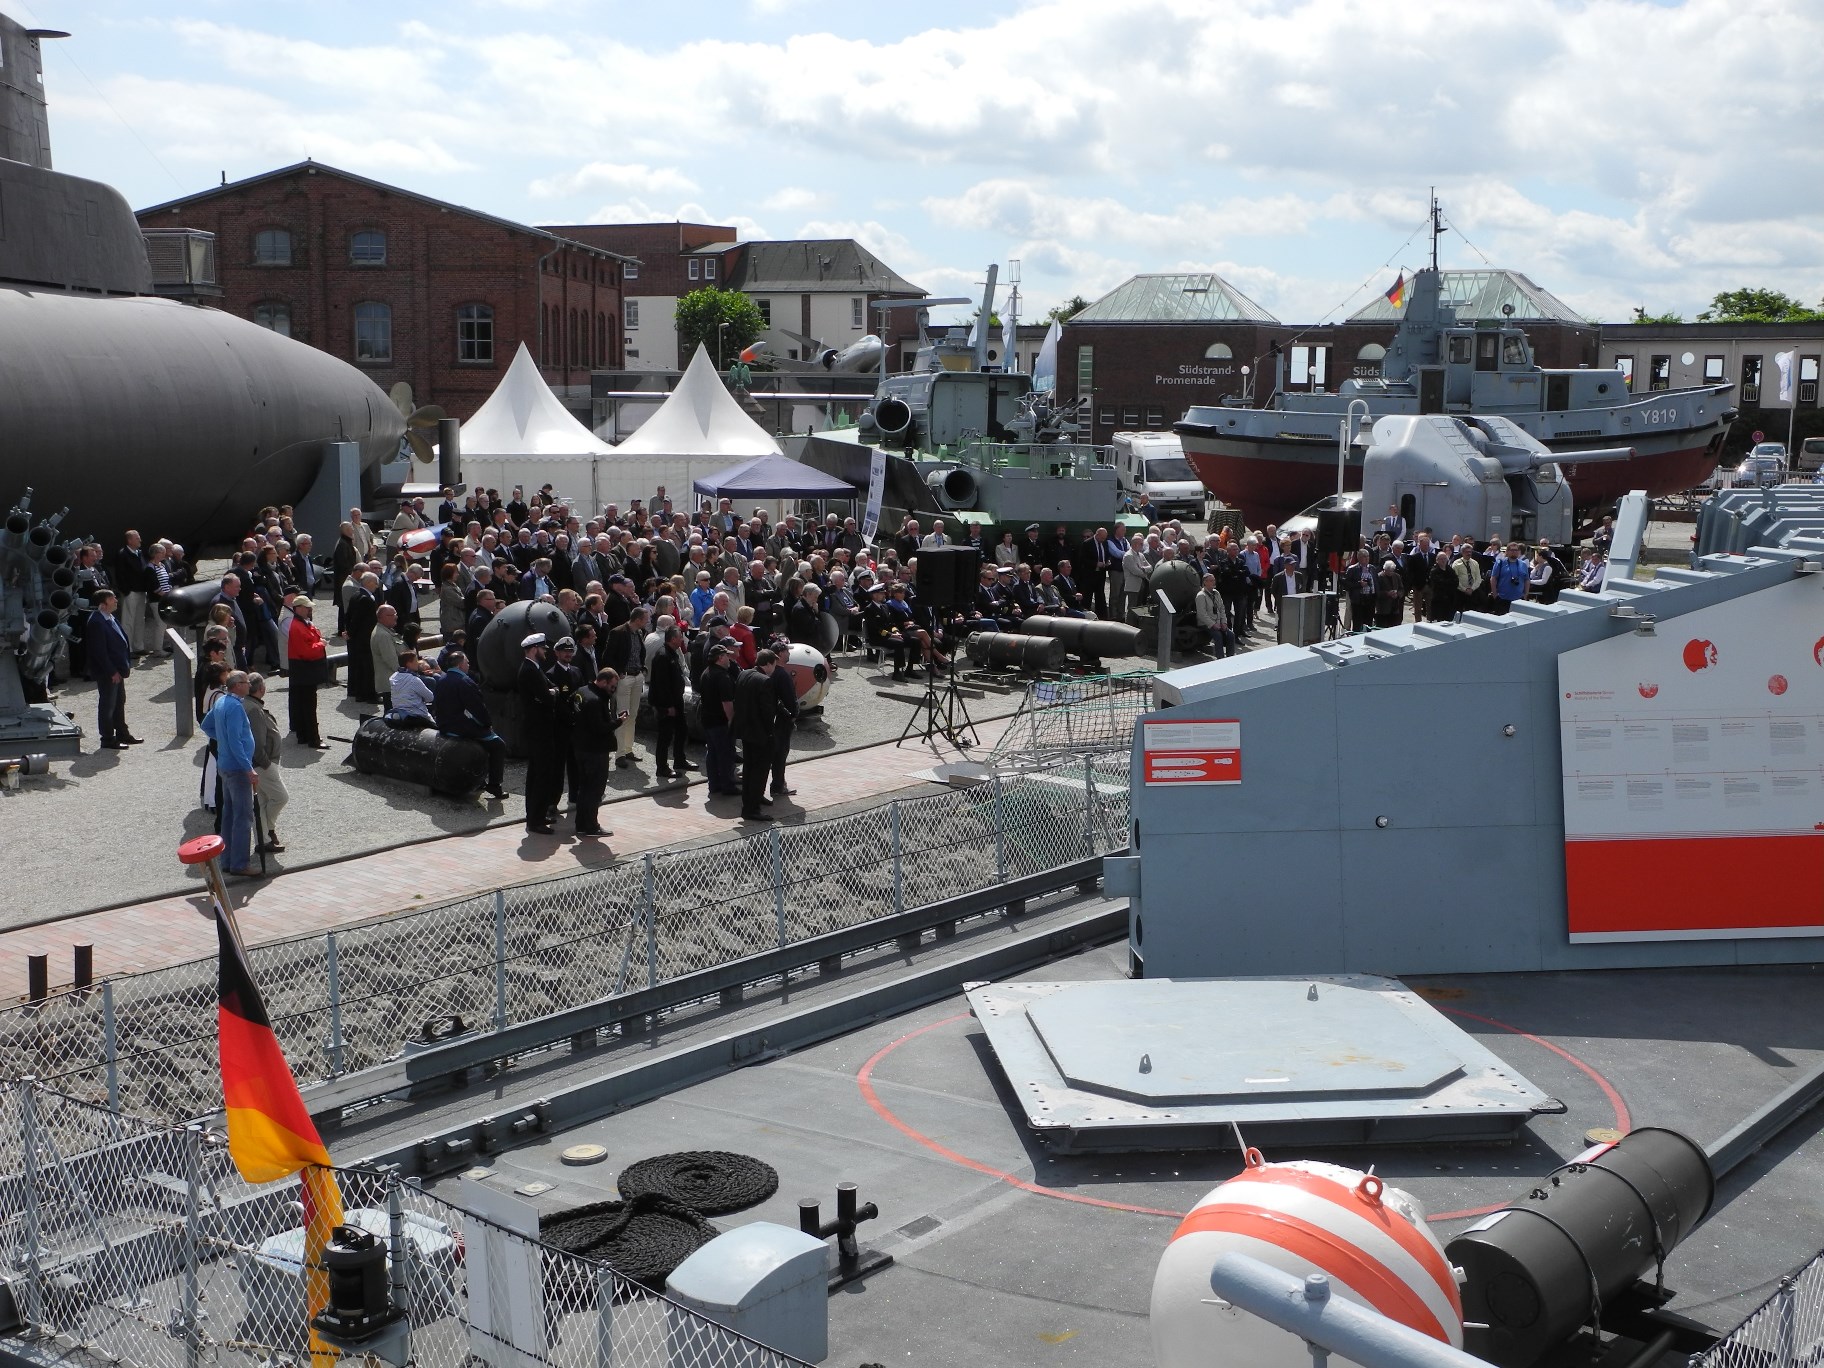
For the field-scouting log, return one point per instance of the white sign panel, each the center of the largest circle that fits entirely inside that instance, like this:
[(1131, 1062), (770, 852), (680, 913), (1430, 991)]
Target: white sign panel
[(1693, 763)]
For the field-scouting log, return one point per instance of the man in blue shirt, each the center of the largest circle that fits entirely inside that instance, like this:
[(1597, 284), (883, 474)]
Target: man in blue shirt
[(1511, 576), (227, 725)]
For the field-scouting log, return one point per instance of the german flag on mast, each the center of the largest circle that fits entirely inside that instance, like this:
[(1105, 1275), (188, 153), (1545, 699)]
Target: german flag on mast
[(270, 1134), (1396, 294)]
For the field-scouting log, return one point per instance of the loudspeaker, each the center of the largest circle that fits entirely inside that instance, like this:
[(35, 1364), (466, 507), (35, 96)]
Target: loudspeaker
[(1338, 531), (946, 576)]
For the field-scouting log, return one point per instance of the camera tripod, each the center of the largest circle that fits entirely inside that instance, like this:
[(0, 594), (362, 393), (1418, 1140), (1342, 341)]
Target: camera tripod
[(943, 711)]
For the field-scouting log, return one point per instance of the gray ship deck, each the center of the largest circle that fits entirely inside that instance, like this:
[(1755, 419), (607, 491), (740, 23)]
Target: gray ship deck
[(1008, 1254)]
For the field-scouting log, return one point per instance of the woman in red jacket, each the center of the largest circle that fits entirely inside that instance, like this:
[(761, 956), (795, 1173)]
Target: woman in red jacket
[(309, 672)]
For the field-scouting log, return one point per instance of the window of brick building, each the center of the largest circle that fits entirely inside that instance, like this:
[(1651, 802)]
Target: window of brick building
[(367, 248), (633, 314), (630, 270), (373, 331), (274, 316), (272, 247), (857, 318), (601, 339), (475, 333), (575, 354), (709, 268), (693, 268)]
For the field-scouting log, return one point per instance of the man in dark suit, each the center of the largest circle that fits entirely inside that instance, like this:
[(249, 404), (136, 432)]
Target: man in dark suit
[(756, 721), (304, 572), (538, 729), (110, 661), (362, 617), (130, 577), (1097, 560), (230, 594)]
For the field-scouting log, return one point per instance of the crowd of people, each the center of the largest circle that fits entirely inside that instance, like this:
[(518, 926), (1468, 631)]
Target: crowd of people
[(655, 601)]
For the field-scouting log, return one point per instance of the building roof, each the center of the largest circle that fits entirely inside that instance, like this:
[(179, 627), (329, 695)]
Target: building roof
[(810, 265), (324, 169), (1176, 298), (1481, 296)]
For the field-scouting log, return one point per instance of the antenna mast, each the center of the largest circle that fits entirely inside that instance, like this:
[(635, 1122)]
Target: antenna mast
[(1437, 226)]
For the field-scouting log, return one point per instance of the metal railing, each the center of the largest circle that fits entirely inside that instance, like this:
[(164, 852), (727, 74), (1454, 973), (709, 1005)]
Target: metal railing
[(350, 1000), (140, 1245), (1785, 1331)]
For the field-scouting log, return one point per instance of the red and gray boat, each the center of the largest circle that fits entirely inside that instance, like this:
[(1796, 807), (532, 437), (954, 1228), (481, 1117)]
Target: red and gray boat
[(1271, 462)]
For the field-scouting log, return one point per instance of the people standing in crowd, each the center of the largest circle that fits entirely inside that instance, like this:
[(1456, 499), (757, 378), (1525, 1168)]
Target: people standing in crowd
[(592, 740), (110, 661), (716, 707), (362, 617), (273, 795), (384, 645), (665, 688), (227, 725), (1510, 577), (538, 730), (624, 651), (756, 715), (309, 658), (785, 717), (568, 680)]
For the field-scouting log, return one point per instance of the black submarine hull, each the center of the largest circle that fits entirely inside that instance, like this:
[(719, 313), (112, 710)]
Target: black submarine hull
[(176, 420)]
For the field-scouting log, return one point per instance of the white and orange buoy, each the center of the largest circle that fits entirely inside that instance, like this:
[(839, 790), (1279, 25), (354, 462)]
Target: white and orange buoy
[(1303, 1217)]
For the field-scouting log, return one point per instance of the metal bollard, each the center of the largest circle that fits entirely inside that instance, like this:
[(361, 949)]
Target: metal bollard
[(852, 1261), (37, 977), (82, 971)]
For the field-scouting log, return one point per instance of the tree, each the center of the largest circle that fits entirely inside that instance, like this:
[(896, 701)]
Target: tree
[(1642, 316), (700, 315), (1069, 309), (1758, 306)]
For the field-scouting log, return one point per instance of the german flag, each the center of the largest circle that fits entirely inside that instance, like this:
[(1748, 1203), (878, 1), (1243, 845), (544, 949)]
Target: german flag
[(270, 1134), (1396, 293)]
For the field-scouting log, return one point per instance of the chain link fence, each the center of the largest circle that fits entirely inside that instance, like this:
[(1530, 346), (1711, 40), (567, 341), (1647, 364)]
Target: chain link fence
[(145, 1044), (139, 1244), (1785, 1331)]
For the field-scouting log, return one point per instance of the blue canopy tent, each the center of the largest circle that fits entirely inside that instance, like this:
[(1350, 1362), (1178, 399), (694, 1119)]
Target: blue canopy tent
[(773, 477)]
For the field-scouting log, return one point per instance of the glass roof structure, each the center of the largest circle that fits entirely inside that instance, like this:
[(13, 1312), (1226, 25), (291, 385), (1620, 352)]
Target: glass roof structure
[(1478, 296), (1200, 298)]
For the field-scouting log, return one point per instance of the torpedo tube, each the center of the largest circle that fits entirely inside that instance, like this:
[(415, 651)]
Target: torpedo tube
[(1302, 1217)]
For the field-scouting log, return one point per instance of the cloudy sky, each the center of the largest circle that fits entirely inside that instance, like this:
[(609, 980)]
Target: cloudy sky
[(1619, 152)]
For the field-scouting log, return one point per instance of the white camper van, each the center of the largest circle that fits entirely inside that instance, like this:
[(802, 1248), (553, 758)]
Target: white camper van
[(1153, 463)]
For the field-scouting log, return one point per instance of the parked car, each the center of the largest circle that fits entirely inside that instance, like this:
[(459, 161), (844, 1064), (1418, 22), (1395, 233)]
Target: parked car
[(1811, 456), (1764, 465)]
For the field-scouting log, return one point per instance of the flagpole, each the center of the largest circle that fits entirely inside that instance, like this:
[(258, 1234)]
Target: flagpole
[(207, 852)]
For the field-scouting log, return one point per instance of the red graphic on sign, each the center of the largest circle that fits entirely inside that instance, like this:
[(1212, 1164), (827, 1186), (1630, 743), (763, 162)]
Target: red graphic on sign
[(1648, 690), (1699, 655), (1817, 651), (1193, 767), (1777, 685)]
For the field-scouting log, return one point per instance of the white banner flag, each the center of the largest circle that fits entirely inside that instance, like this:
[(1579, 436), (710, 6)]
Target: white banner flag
[(877, 488), (1786, 362)]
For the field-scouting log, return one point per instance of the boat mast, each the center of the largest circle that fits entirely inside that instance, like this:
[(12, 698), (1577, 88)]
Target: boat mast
[(1437, 226)]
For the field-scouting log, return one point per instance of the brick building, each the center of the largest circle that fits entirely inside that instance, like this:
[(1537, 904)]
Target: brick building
[(1157, 344), (809, 290), (407, 287)]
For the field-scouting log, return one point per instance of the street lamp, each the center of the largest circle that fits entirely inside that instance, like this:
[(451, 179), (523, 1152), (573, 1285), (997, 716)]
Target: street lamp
[(720, 329)]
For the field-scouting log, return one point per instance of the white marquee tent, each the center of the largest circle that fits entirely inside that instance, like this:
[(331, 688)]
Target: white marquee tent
[(699, 430), (523, 435)]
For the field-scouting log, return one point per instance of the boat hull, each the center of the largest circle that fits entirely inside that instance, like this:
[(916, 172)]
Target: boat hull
[(1271, 478)]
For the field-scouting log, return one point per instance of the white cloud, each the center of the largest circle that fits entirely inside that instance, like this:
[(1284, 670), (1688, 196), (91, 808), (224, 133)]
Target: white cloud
[(795, 199), (624, 177)]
